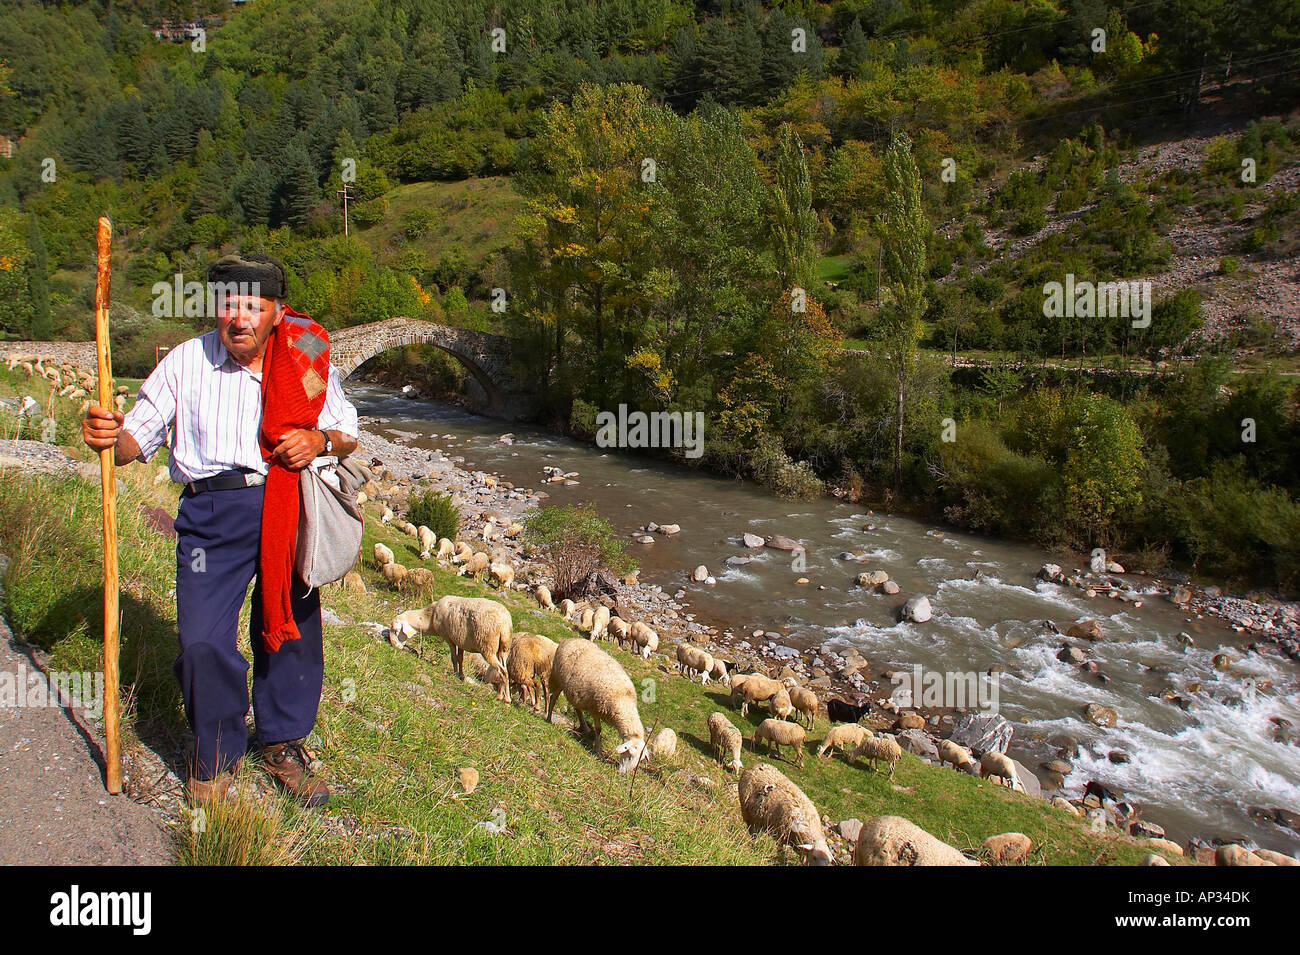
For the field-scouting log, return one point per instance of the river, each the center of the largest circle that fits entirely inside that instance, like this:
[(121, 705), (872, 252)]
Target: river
[(1195, 772)]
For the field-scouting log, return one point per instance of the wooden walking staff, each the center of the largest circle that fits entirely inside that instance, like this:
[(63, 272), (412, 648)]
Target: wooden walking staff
[(108, 483)]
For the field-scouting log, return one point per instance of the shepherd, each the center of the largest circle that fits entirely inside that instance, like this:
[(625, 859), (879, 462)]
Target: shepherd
[(248, 406)]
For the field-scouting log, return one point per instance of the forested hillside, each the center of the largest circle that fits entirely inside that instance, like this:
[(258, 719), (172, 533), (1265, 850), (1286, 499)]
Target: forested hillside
[(827, 225)]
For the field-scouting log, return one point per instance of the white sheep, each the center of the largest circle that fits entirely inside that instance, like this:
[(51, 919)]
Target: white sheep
[(445, 548), (596, 685), (473, 624), (755, 688), (543, 594), (463, 553), (780, 733), (386, 515), (531, 656), (769, 802), (383, 555), (395, 574), (719, 672), (585, 621), (663, 745), (877, 749), (1000, 766), (599, 622), (847, 736), (805, 703), (428, 541), (621, 630), (780, 705), (477, 563), (502, 574), (950, 752), (726, 741), (646, 639), (692, 660), (566, 608)]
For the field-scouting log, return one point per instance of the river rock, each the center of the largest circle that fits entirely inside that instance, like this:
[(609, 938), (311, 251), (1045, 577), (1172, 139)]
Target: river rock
[(917, 609), (1051, 573), (777, 542), (738, 561), (668, 529), (1180, 595), (752, 540), (895, 841), (1070, 655), (1277, 858), (700, 574), (986, 732), (1063, 804), (1237, 855), (1058, 766), (1146, 830), (889, 587), (1099, 715), (1114, 567), (918, 743), (1221, 661), (1088, 629), (872, 578), (1165, 845), (1008, 848)]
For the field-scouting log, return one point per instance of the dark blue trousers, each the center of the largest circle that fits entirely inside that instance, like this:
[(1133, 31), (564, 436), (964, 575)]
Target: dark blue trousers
[(218, 540)]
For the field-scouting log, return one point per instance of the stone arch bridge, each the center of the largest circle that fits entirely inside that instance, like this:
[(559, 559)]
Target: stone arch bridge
[(485, 356)]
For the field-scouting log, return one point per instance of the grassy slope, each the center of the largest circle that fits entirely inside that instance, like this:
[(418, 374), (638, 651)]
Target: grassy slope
[(395, 726), (476, 218)]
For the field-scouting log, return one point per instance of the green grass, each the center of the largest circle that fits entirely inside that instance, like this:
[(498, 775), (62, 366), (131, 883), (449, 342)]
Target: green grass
[(395, 726), (834, 268), (475, 217)]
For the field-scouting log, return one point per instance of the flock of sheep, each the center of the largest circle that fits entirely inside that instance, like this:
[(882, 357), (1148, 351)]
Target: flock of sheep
[(66, 380), (537, 670)]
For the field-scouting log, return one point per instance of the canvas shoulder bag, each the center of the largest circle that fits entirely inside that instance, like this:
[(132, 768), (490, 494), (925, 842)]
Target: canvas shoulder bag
[(329, 522)]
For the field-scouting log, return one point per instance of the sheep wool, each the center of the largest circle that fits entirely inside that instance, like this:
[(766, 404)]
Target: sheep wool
[(878, 749), (663, 745), (531, 656), (846, 737), (468, 624), (950, 752), (726, 741), (770, 802), (756, 688), (999, 766), (893, 840), (599, 622), (692, 660), (596, 685), (805, 702), (646, 639), (780, 704), (779, 733), (383, 555), (544, 597)]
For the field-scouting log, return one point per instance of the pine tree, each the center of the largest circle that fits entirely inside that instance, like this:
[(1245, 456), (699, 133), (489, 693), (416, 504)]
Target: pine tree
[(853, 51), (38, 285), (299, 188)]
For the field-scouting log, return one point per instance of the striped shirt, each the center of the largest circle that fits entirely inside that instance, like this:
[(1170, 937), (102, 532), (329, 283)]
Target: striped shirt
[(213, 405)]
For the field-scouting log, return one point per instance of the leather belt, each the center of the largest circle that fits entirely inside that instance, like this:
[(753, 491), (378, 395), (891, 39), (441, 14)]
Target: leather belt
[(226, 482)]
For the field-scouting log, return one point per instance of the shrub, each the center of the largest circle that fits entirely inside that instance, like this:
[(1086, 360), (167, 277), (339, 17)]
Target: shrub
[(435, 511), (1228, 265), (578, 544)]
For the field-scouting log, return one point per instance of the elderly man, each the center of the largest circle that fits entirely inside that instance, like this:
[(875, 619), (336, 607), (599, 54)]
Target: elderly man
[(230, 453)]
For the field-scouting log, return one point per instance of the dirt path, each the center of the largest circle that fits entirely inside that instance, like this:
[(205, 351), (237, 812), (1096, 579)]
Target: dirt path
[(53, 806)]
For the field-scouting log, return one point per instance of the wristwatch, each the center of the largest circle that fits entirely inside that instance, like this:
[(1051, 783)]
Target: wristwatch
[(329, 445)]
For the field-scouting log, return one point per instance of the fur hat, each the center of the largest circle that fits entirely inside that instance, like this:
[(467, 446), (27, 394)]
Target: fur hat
[(251, 267)]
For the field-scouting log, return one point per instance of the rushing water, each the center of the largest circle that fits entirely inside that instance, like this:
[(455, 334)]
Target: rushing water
[(1193, 772)]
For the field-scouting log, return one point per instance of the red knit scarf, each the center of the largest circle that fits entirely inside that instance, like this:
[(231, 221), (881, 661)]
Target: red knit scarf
[(295, 372)]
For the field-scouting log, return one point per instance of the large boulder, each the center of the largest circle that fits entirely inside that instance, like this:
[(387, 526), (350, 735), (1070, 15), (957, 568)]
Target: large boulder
[(752, 540), (777, 542), (1051, 573), (872, 578), (983, 732), (893, 840), (1098, 715), (918, 743), (1028, 780), (917, 609), (1088, 629)]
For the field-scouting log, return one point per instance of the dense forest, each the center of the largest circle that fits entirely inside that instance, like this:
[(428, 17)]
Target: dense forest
[(782, 215)]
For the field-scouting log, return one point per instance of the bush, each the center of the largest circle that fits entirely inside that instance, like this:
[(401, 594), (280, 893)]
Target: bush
[(577, 544), (435, 511), (1228, 265)]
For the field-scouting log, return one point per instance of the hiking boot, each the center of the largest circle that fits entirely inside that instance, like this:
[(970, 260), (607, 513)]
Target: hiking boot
[(208, 790), (287, 764)]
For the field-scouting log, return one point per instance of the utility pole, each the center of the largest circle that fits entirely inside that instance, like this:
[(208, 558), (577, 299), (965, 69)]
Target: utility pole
[(344, 192)]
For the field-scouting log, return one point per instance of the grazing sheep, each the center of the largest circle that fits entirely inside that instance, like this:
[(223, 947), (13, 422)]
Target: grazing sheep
[(586, 620), (780, 704), (805, 702), (895, 841), (841, 711), (646, 639), (1000, 766), (755, 688), (544, 597), (383, 555), (621, 629), (663, 745), (428, 540), (596, 685), (502, 574), (473, 624), (877, 748), (726, 740), (529, 667), (463, 553), (779, 733), (950, 752), (566, 608), (420, 578), (386, 515), (719, 672), (409, 529), (769, 802), (445, 548), (395, 574), (692, 660), (600, 622), (475, 565), (845, 737)]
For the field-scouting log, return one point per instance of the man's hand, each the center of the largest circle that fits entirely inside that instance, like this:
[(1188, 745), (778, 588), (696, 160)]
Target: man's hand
[(100, 427), (298, 447)]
